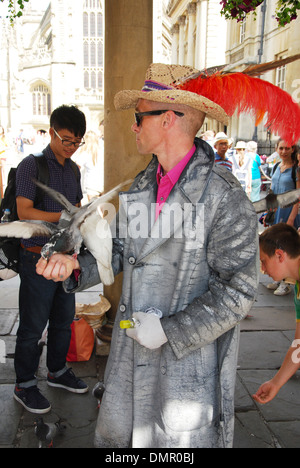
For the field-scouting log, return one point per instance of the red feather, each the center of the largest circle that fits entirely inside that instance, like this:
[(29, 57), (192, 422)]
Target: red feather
[(242, 93)]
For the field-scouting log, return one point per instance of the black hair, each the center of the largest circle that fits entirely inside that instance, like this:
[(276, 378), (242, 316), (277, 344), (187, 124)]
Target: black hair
[(69, 118), (280, 236)]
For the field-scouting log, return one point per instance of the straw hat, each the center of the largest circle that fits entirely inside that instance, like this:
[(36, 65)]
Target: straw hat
[(221, 136), (161, 86), (240, 145)]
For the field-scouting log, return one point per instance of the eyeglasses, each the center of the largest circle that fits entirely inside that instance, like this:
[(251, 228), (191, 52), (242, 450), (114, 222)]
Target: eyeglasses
[(139, 115), (69, 143)]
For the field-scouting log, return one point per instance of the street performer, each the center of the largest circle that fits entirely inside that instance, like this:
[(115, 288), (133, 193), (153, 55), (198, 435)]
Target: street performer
[(170, 380)]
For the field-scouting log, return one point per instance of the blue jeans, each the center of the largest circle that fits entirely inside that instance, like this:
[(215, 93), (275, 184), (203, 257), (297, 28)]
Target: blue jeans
[(41, 301)]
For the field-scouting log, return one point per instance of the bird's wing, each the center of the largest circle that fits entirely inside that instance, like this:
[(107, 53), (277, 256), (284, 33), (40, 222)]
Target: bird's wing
[(27, 229), (94, 205), (64, 220), (97, 238), (58, 197), (260, 206), (288, 198)]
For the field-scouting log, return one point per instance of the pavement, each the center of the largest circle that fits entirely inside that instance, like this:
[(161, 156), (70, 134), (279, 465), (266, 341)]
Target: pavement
[(265, 338)]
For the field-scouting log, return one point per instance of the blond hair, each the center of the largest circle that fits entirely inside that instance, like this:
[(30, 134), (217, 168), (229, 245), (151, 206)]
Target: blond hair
[(91, 146)]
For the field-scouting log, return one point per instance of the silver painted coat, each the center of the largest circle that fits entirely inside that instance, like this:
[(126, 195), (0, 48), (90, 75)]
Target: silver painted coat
[(204, 279)]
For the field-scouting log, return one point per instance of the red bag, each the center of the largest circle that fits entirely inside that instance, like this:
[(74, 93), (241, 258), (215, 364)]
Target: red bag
[(82, 341)]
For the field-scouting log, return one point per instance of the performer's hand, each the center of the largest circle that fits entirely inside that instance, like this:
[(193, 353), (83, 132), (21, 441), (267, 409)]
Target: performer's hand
[(149, 332), (58, 268)]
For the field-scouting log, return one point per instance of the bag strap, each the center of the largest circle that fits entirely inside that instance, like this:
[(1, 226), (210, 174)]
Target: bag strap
[(43, 173)]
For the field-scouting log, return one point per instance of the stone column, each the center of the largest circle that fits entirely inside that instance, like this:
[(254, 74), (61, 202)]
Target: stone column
[(191, 31), (128, 53), (200, 61), (175, 42), (181, 21)]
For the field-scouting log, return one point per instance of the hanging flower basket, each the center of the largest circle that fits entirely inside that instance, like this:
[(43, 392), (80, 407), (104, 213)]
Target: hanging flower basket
[(286, 10), (237, 9)]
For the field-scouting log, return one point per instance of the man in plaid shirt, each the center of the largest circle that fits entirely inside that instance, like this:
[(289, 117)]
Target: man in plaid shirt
[(42, 301)]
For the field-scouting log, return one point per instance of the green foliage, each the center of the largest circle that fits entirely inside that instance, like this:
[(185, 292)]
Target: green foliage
[(286, 10), (238, 9), (13, 11)]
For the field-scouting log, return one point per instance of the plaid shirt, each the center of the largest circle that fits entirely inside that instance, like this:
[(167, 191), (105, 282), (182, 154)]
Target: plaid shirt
[(61, 178)]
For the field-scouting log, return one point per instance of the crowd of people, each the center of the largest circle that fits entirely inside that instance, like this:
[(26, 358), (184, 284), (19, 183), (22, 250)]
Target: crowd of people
[(242, 160), (280, 172)]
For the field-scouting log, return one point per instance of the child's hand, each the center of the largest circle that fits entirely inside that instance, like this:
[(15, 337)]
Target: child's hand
[(266, 392)]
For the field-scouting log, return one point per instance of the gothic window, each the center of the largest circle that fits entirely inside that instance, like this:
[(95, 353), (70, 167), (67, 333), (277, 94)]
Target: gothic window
[(93, 44), (41, 100)]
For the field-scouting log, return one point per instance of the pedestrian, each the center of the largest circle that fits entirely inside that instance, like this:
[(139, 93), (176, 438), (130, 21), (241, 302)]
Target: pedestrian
[(3, 143), (242, 167), (20, 142), (209, 137), (280, 258), (251, 152), (3, 149), (284, 179), (222, 143), (90, 159), (42, 301), (170, 382)]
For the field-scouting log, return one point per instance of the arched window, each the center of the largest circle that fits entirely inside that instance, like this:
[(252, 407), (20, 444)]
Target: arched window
[(41, 100)]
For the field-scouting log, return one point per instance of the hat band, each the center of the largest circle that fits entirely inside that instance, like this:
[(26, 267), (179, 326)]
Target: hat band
[(154, 86)]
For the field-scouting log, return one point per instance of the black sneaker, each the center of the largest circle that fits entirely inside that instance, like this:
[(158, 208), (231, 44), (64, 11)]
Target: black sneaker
[(69, 382), (32, 399)]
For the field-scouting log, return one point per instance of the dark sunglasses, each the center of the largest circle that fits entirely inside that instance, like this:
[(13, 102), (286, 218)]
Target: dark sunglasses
[(139, 115)]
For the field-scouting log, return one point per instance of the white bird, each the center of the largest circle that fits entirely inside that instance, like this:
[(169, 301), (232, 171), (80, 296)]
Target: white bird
[(77, 226)]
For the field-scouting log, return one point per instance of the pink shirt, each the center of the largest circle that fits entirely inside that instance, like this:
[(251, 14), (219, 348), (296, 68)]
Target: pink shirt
[(166, 183)]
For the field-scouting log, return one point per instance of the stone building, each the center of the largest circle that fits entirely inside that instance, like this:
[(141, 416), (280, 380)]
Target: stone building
[(259, 39), (198, 33), (202, 38), (54, 55)]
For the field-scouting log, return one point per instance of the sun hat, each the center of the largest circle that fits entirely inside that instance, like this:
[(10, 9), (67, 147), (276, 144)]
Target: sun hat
[(240, 145), (161, 85), (221, 136)]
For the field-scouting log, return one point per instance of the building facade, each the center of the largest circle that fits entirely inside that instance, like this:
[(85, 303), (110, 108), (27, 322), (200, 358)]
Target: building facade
[(202, 38), (54, 55), (259, 39), (198, 35)]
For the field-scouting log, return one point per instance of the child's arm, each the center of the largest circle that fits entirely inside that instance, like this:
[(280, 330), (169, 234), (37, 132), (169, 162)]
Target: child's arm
[(290, 365)]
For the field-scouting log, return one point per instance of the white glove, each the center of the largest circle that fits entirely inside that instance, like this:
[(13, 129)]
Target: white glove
[(149, 332)]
